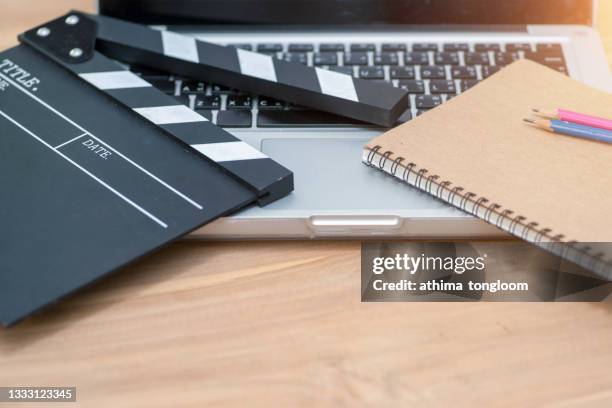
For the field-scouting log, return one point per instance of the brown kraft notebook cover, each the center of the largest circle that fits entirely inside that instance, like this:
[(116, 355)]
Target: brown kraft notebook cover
[(476, 153)]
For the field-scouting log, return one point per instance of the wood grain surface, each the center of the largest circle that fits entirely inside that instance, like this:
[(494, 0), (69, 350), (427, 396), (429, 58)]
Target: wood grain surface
[(281, 324)]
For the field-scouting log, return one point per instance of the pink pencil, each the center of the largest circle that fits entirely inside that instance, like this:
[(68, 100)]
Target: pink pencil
[(575, 117)]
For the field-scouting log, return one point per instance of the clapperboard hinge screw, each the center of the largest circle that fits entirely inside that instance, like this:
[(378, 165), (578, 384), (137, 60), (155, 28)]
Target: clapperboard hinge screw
[(72, 20), (43, 32), (76, 52)]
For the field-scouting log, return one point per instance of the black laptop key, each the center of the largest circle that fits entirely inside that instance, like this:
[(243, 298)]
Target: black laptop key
[(269, 47), (371, 73), (424, 47), (269, 103), (388, 47), (207, 102), (518, 47), (335, 47), (192, 86), (416, 58), (235, 118), (505, 58), (412, 86), (487, 47), (221, 89), (247, 47), (442, 86), (297, 57), (164, 85), (302, 118), (446, 58), (325, 58), (386, 58), (456, 47), (239, 102), (207, 113), (380, 81), (464, 72), (301, 47), (342, 70), (487, 71), (549, 48), (356, 58), (362, 47), (405, 72), (477, 58), (428, 101), (467, 84), (433, 72), (546, 58)]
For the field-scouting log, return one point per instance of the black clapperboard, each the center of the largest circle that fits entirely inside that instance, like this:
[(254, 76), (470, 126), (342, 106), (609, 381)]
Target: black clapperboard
[(98, 168)]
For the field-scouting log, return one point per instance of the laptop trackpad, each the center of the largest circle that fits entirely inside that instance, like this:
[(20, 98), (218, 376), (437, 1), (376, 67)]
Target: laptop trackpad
[(329, 175)]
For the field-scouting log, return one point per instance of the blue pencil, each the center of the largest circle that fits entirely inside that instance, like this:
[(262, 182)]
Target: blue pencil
[(572, 129)]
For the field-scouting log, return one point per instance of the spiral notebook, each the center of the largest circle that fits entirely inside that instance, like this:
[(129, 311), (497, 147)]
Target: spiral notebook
[(476, 153)]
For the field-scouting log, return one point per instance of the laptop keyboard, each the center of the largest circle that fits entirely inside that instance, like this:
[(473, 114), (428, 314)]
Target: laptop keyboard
[(432, 73)]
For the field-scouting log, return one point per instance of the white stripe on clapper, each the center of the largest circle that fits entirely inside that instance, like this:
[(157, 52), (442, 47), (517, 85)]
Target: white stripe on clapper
[(337, 84), (165, 115), (256, 65), (179, 46), (229, 151), (115, 80)]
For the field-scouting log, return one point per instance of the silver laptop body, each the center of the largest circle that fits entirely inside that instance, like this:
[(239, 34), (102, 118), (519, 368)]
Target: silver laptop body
[(336, 196)]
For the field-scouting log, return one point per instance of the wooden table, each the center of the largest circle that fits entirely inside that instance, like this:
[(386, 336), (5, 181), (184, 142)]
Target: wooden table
[(271, 323)]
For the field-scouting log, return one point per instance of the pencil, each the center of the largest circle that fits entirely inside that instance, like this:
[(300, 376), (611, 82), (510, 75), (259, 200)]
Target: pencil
[(572, 129), (575, 117)]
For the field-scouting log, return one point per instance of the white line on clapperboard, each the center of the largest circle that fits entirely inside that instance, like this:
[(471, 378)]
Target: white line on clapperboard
[(124, 198), (86, 132), (70, 141)]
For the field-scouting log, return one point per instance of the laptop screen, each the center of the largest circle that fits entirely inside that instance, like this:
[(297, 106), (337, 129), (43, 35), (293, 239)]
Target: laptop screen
[(351, 12)]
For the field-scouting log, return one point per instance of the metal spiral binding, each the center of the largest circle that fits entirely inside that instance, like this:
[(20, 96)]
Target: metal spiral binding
[(473, 204), (583, 251), (443, 185), (490, 209), (505, 215), (407, 171), (383, 160), (430, 180), (516, 221), (542, 233), (479, 202), (372, 153), (466, 197), (529, 228), (595, 258), (396, 163), (420, 175)]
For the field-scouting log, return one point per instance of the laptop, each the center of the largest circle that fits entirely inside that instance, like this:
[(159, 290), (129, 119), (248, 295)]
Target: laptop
[(435, 49)]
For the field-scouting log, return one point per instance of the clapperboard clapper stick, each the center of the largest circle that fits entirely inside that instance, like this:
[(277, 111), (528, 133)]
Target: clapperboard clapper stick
[(316, 88), (72, 41)]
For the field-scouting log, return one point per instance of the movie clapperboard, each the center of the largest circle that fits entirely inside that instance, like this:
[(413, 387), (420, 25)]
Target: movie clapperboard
[(99, 168)]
